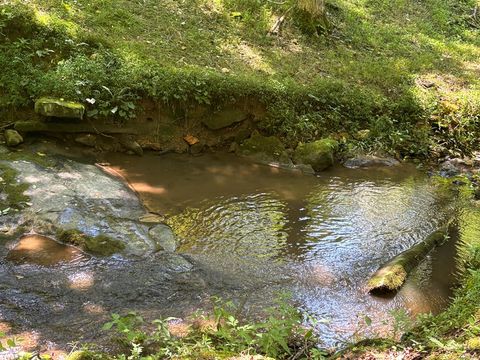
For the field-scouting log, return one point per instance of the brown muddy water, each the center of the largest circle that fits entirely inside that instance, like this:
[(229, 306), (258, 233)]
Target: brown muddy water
[(317, 237)]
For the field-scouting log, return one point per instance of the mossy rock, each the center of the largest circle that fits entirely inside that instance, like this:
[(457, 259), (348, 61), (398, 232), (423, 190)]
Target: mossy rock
[(265, 149), (318, 154), (13, 189), (12, 137), (101, 245), (224, 118), (59, 108), (81, 355)]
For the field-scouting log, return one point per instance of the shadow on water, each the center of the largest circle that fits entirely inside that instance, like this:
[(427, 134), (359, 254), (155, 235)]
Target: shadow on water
[(251, 231)]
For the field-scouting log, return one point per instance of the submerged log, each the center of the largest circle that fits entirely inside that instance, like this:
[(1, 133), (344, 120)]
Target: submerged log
[(391, 276)]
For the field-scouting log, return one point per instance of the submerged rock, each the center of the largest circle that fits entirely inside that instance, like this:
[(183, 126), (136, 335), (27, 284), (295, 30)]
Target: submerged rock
[(364, 161), (59, 108), (131, 145), (87, 140), (453, 167), (81, 197), (265, 149), (12, 137), (224, 118), (317, 154)]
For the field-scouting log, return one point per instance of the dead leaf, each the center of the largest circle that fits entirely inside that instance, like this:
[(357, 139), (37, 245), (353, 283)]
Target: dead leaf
[(191, 140)]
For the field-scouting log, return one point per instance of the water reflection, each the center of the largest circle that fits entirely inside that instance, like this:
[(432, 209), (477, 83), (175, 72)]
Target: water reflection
[(319, 237)]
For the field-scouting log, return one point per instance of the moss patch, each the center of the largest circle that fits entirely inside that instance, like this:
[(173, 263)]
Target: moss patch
[(59, 108), (264, 149), (101, 245), (13, 189), (319, 154)]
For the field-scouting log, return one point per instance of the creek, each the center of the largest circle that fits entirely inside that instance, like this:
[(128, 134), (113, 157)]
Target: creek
[(245, 232), (316, 237)]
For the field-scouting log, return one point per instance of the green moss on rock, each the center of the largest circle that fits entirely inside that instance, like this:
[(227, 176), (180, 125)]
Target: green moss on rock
[(13, 189), (101, 245), (59, 108), (13, 138), (318, 154), (265, 149)]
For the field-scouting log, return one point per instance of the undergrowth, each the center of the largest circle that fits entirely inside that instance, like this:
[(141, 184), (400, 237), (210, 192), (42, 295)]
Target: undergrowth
[(377, 65), (280, 335)]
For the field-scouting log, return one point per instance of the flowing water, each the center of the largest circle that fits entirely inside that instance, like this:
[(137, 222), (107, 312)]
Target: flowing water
[(318, 237), (248, 232)]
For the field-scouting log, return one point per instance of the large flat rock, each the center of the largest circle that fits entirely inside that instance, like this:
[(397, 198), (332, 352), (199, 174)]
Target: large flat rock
[(59, 108)]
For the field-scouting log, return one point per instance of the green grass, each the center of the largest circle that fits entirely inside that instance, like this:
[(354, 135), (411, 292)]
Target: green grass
[(369, 70)]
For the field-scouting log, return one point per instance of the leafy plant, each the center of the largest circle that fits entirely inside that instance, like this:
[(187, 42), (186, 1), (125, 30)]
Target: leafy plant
[(280, 335)]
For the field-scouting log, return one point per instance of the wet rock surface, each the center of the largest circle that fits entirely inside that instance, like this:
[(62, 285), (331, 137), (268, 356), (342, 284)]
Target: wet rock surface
[(365, 161), (73, 196), (265, 150)]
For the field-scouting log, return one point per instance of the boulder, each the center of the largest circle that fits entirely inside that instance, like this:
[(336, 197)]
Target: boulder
[(59, 108), (224, 118), (365, 161), (265, 149), (13, 138), (317, 154)]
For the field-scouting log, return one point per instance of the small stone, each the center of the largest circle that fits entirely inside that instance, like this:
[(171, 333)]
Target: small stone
[(196, 149), (305, 169), (87, 140), (131, 145), (151, 218), (12, 137), (163, 237), (233, 147), (59, 108)]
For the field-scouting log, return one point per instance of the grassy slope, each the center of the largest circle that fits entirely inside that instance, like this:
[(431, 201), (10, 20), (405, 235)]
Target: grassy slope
[(368, 71)]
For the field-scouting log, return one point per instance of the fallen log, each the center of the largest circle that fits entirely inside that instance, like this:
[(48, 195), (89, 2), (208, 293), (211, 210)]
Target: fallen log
[(391, 276)]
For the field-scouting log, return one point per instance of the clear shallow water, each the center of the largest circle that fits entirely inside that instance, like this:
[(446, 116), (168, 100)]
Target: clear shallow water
[(256, 230)]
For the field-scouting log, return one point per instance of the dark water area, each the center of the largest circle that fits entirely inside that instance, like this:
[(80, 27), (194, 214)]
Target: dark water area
[(264, 230)]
